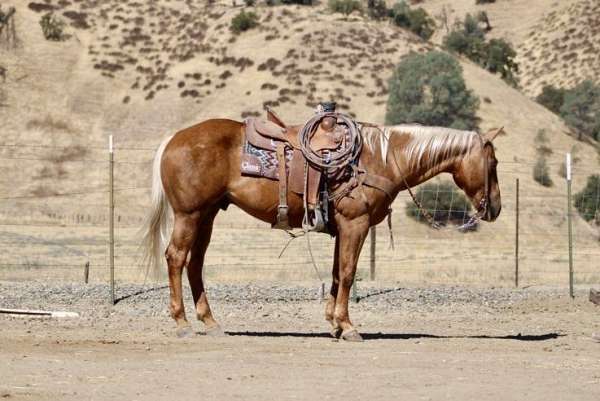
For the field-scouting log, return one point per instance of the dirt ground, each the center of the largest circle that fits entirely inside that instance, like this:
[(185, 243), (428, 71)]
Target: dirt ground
[(420, 344)]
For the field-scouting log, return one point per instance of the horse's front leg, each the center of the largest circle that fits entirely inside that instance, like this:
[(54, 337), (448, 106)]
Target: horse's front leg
[(335, 281), (351, 236)]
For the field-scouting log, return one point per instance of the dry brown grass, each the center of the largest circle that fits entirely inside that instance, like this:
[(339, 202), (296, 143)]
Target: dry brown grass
[(563, 48), (71, 153), (49, 123)]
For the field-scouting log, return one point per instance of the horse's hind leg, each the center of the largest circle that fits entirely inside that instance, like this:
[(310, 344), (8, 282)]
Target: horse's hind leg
[(335, 282), (194, 271), (184, 234)]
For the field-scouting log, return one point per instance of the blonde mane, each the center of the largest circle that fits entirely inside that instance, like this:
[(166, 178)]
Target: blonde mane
[(374, 134), (438, 143)]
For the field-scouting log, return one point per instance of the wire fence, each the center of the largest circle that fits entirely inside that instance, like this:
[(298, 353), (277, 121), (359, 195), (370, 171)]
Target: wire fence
[(54, 226)]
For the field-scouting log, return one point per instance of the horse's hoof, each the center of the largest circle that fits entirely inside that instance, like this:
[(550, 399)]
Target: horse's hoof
[(336, 332), (352, 336), (215, 331), (184, 332)]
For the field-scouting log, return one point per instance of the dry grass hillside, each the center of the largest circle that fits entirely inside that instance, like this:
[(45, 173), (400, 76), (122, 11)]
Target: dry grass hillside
[(510, 19), (142, 70), (562, 49), (556, 41)]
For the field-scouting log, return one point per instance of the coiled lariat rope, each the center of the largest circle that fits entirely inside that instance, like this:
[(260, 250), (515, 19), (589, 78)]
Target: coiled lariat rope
[(340, 158), (330, 163)]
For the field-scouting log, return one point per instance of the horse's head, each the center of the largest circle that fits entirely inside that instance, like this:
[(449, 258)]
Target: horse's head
[(476, 176)]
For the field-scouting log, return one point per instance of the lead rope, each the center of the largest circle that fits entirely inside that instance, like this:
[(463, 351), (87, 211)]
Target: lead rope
[(481, 209), (389, 224), (312, 258), (293, 236)]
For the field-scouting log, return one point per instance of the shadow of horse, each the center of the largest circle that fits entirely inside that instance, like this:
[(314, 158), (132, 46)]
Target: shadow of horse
[(140, 292), (397, 336)]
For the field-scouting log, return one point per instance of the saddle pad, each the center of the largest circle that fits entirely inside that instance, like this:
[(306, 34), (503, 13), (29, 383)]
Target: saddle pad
[(257, 162)]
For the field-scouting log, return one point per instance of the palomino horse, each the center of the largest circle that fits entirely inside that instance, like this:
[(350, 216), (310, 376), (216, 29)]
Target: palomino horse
[(197, 172)]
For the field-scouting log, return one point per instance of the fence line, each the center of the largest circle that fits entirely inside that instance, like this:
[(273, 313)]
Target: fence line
[(50, 238)]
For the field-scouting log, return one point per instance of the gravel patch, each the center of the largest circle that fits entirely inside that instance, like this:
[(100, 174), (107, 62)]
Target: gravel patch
[(152, 300)]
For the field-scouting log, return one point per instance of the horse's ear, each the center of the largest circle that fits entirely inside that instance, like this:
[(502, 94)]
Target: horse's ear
[(493, 133)]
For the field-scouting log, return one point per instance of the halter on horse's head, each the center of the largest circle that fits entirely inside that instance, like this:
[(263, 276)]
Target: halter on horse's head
[(477, 176)]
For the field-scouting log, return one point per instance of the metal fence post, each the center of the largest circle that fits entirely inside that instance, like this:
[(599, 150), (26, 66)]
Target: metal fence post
[(86, 272), (111, 218), (372, 254), (517, 235), (570, 224)]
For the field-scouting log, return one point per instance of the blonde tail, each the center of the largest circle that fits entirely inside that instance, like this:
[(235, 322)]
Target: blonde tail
[(155, 229)]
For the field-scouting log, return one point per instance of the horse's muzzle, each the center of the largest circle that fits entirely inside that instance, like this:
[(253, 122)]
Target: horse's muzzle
[(492, 212)]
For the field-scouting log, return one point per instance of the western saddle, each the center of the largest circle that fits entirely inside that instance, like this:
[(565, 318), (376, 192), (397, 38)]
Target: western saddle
[(305, 159)]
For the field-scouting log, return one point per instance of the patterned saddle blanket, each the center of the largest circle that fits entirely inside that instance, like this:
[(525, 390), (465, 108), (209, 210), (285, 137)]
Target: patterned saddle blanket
[(258, 162)]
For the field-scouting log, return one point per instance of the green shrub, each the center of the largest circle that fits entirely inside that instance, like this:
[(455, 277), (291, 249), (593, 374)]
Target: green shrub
[(483, 17), (541, 173), (496, 56), (471, 27), (377, 9), (581, 109), (52, 27), (429, 89), (587, 202), (468, 39), (541, 141), (345, 7), (250, 3), (442, 201), (417, 20), (551, 98), (499, 58), (484, 1), (471, 46), (243, 21)]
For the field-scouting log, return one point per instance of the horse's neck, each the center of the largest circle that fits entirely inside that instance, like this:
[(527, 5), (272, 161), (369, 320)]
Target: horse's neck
[(413, 171), (416, 176), (399, 168)]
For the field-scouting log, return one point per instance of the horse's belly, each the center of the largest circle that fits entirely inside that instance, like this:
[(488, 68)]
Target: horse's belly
[(259, 197)]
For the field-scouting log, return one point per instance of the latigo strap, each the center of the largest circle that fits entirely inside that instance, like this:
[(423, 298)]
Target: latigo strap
[(282, 209)]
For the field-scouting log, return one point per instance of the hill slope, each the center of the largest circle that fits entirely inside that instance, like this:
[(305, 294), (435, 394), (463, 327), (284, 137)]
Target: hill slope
[(563, 49)]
